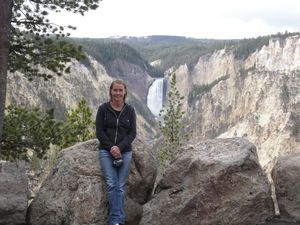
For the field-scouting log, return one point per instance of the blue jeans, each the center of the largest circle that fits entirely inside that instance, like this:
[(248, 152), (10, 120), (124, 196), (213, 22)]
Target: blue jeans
[(115, 182)]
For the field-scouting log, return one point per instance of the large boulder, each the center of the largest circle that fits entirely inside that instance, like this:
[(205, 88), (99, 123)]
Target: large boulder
[(213, 182), (14, 193), (74, 192), (285, 175)]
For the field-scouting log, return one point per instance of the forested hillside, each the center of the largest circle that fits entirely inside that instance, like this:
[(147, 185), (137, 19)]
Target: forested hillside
[(105, 51), (170, 51)]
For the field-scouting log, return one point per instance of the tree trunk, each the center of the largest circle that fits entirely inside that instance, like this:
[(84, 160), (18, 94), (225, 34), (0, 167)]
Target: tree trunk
[(5, 32)]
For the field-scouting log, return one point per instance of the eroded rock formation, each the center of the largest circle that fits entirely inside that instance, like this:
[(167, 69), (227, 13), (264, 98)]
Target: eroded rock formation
[(257, 97)]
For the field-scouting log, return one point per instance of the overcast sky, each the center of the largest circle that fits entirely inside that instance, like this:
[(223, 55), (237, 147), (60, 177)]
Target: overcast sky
[(218, 19)]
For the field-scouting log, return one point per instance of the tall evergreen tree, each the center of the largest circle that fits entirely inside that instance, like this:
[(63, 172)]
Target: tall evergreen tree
[(5, 31), (171, 125), (29, 41)]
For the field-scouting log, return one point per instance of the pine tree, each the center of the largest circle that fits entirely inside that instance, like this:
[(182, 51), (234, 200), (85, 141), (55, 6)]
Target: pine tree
[(171, 125), (33, 131), (79, 126), (28, 130)]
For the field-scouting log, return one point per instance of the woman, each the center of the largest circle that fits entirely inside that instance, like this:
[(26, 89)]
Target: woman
[(116, 129)]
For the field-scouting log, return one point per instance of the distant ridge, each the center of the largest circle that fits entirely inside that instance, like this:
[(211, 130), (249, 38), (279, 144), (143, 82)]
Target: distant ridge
[(161, 40)]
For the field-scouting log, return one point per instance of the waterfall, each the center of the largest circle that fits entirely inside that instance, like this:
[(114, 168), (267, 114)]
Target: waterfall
[(155, 96)]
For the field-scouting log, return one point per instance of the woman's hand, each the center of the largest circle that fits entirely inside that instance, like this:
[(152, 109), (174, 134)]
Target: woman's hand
[(115, 151)]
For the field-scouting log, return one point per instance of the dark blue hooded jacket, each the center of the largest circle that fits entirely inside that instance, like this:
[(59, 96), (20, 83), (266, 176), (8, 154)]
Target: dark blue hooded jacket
[(113, 129)]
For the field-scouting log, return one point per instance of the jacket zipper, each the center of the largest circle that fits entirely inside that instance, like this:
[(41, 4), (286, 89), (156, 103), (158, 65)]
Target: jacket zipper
[(116, 135)]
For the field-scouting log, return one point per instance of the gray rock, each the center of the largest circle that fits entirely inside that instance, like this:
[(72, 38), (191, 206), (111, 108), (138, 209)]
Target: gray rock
[(75, 194), (287, 186), (213, 182), (14, 193), (142, 174)]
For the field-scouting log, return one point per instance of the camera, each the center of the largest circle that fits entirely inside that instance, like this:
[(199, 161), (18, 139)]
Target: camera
[(118, 162)]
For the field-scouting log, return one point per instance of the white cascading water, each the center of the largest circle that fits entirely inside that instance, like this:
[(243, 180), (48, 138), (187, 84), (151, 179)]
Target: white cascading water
[(155, 96)]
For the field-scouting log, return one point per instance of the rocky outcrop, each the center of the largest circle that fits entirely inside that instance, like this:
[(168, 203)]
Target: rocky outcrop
[(74, 192), (287, 186), (212, 182), (14, 193)]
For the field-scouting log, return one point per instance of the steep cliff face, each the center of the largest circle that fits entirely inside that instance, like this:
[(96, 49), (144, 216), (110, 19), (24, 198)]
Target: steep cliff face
[(64, 92), (257, 98), (91, 82)]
